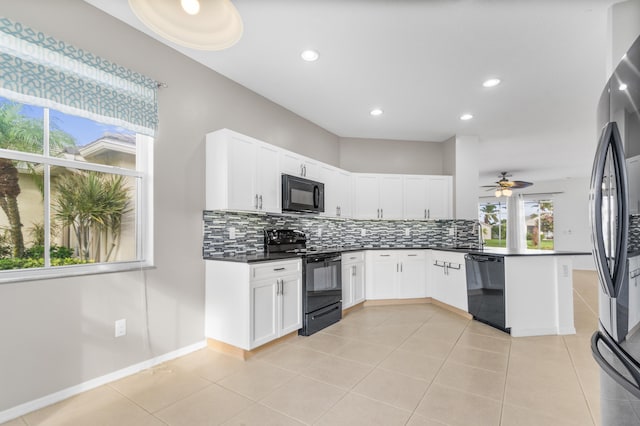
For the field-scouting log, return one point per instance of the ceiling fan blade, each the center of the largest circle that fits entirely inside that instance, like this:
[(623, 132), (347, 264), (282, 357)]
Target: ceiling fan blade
[(488, 186), (520, 184)]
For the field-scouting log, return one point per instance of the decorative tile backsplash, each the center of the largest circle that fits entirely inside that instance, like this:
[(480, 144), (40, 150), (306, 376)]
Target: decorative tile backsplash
[(634, 233), (326, 232)]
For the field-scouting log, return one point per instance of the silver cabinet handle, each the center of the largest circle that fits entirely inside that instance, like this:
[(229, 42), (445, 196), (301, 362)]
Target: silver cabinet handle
[(428, 213), (400, 266), (412, 255), (279, 269), (353, 271), (256, 202), (397, 267), (425, 213), (301, 170), (381, 213), (305, 170), (260, 202), (385, 255)]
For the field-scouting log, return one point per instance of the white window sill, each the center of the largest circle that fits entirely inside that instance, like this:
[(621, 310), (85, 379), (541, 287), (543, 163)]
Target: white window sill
[(18, 275)]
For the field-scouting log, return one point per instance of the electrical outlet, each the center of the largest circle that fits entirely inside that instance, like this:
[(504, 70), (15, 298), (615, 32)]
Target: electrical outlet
[(319, 232), (363, 232), (121, 328), (407, 232), (232, 233)]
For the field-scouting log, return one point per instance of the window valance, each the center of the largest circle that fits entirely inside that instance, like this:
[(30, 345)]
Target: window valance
[(41, 70)]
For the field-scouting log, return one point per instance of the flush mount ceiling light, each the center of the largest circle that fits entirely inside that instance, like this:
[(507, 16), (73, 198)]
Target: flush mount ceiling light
[(375, 112), (197, 24), (465, 117), (492, 82), (309, 55)]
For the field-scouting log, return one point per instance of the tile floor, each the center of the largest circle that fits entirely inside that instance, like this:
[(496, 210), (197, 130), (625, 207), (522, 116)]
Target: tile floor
[(392, 365)]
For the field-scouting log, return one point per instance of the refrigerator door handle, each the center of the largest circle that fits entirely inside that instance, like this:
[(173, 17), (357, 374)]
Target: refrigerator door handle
[(629, 363), (611, 264)]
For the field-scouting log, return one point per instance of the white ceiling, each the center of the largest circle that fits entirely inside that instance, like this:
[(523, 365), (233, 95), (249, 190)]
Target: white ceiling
[(423, 63)]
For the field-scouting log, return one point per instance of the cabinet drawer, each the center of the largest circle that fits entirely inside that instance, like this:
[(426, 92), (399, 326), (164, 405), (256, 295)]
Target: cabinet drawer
[(275, 269), (354, 257), (414, 255)]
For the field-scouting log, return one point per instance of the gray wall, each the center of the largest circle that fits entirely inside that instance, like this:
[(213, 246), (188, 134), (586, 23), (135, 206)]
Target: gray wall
[(59, 333), (391, 156)]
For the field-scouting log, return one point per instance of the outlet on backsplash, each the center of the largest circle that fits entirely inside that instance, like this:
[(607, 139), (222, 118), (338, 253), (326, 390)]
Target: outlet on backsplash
[(232, 233), (407, 232), (363, 232)]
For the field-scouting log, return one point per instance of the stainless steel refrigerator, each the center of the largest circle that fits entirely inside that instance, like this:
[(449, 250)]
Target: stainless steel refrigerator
[(615, 227)]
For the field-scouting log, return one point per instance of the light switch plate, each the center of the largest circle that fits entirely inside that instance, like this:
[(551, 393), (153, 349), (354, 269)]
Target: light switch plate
[(363, 232), (232, 233)]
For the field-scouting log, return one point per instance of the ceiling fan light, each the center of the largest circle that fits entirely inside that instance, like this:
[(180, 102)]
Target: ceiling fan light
[(507, 192), (217, 26), (498, 193)]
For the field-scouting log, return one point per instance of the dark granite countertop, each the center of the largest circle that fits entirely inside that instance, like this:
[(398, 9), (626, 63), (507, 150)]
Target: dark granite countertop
[(493, 251)]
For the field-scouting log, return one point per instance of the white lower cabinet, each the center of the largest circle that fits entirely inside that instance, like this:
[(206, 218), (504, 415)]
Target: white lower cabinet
[(352, 279), (248, 305), (396, 274), (448, 278)]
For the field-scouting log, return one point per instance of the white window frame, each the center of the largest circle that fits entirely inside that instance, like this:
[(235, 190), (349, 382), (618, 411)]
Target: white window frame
[(144, 211)]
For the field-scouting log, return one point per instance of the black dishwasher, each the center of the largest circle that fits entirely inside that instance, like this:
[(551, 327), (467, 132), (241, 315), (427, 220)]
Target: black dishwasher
[(485, 289)]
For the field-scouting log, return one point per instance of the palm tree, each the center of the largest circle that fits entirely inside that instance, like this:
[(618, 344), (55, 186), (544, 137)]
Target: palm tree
[(490, 213), (93, 205), (20, 133)]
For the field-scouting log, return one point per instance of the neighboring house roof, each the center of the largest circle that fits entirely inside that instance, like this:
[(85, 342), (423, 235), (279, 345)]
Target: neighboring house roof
[(117, 142)]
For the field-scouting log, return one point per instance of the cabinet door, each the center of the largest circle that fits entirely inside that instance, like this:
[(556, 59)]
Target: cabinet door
[(384, 275), (391, 197), (311, 169), (329, 176), (242, 193), (268, 179), (345, 193), (415, 197), (412, 276), (290, 304), (366, 197), (439, 199), (358, 283), (457, 287), (347, 286), (291, 164), (264, 312)]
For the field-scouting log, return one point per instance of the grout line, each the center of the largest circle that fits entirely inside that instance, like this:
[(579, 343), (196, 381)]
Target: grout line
[(575, 371), (506, 378)]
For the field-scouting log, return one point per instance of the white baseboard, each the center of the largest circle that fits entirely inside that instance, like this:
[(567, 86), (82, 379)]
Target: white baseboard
[(52, 398)]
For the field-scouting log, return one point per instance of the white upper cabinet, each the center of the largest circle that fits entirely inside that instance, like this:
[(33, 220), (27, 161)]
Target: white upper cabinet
[(299, 165), (242, 173), (378, 196), (427, 197), (439, 197), (337, 190)]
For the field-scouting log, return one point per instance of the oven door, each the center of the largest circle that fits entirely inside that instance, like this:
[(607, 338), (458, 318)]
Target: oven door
[(302, 195), (323, 281)]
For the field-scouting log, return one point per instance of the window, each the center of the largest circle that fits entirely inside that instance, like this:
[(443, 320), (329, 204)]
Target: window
[(73, 192), (538, 218)]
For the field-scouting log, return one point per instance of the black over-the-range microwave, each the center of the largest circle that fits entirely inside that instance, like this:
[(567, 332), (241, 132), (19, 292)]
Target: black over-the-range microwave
[(302, 195)]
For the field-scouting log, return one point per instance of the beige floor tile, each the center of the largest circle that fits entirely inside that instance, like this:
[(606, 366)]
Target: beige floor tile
[(100, 406), (210, 406), (519, 416), (432, 347), (294, 358), (392, 388), (355, 410), (159, 387), (412, 364), (367, 353), (483, 342), (390, 335), (257, 379), (479, 358), (564, 401), (15, 422), (445, 331), (322, 342), (472, 380), (457, 408), (418, 420), (547, 347), (346, 329), (368, 317), (208, 364), (486, 330), (259, 415), (303, 398), (542, 373), (339, 372)]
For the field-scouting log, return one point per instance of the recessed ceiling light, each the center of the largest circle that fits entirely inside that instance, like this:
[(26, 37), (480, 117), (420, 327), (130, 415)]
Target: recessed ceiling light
[(492, 82), (309, 55), (622, 87), (466, 117), (375, 112), (192, 7)]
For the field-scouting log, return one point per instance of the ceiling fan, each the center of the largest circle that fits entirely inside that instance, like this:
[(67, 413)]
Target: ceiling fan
[(504, 186)]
